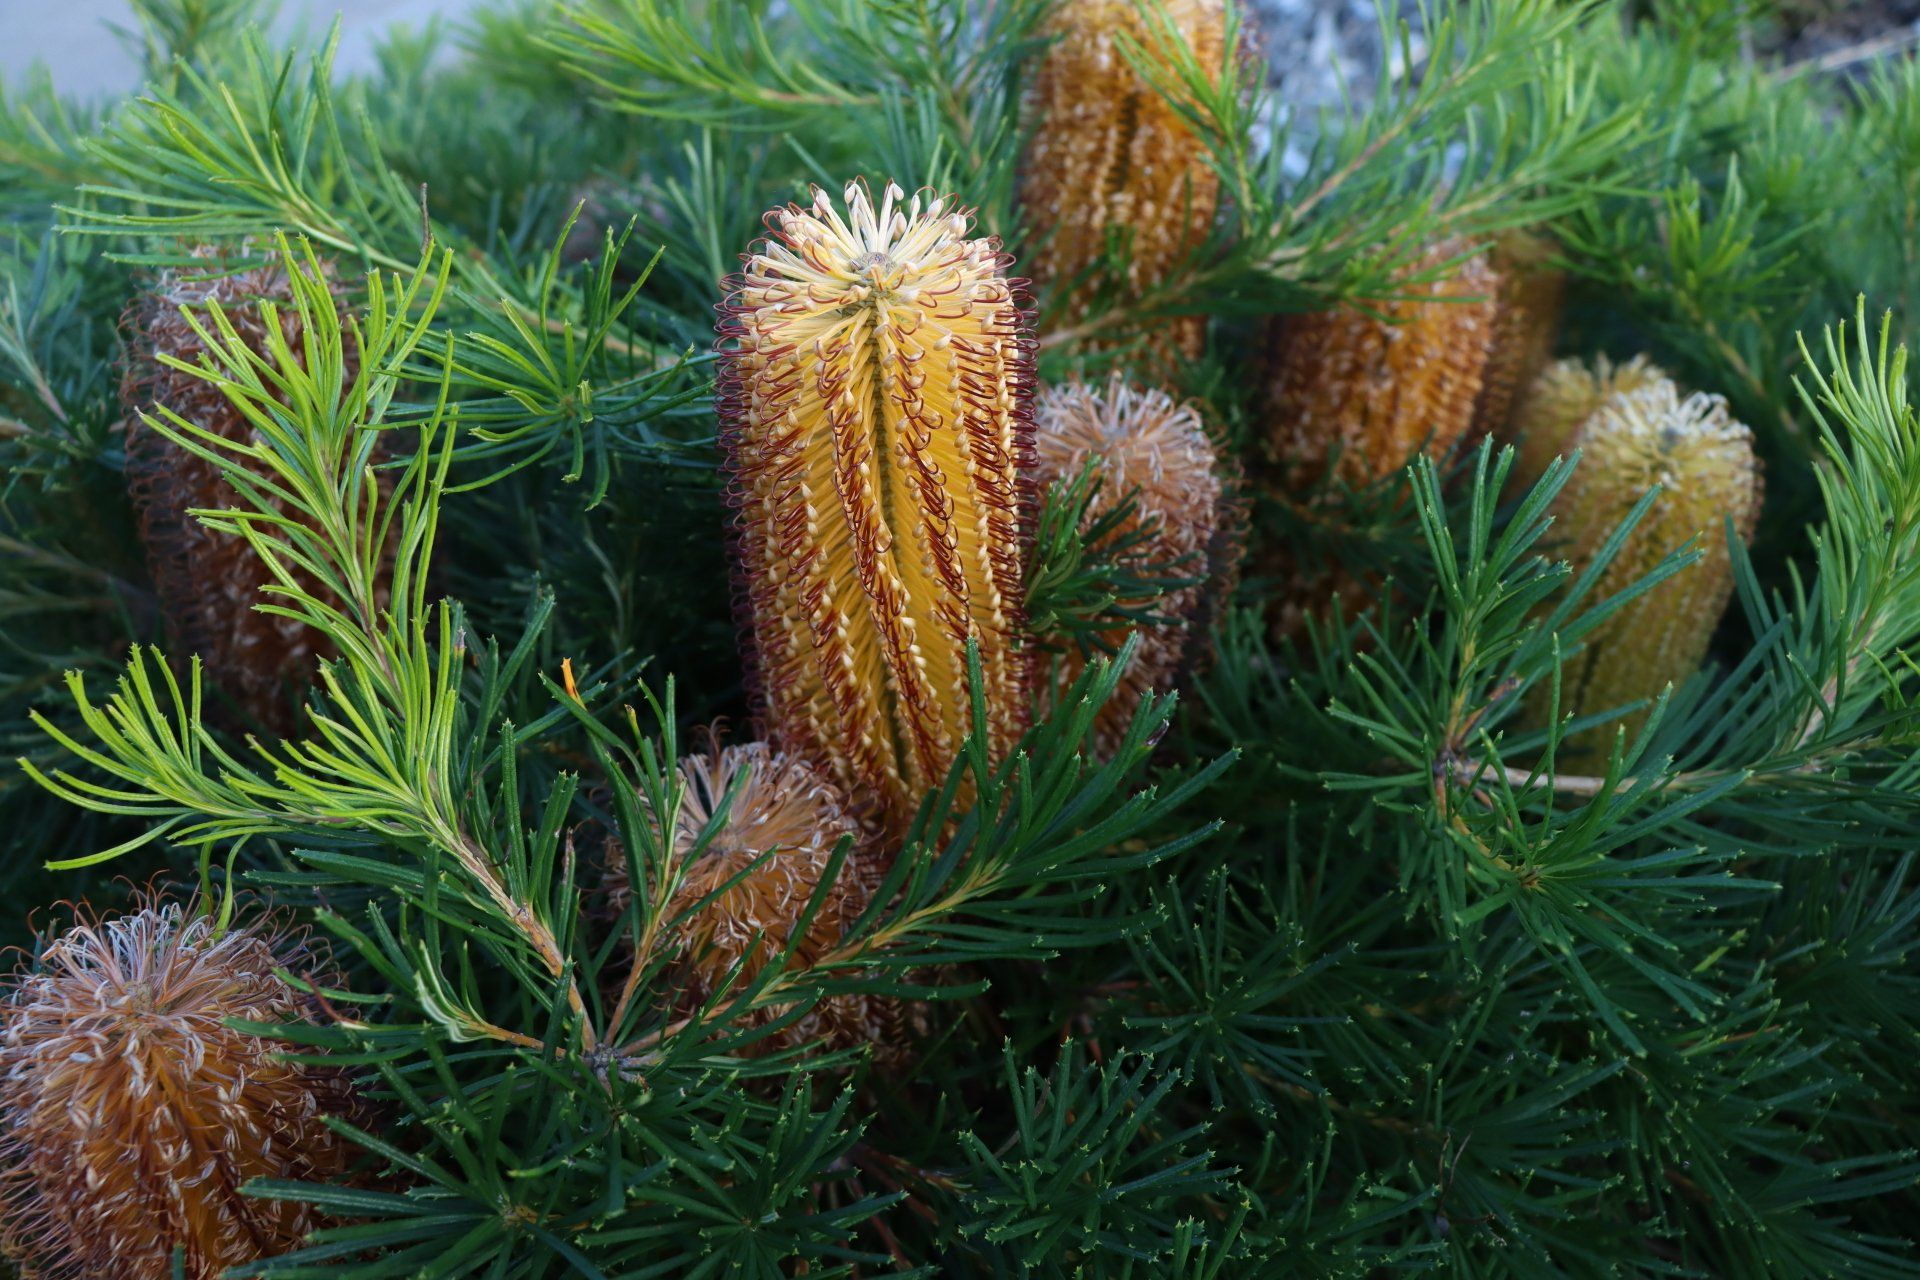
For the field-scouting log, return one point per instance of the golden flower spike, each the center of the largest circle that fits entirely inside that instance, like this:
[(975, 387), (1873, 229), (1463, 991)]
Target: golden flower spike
[(131, 1114), (1532, 292), (1703, 462), (1360, 394), (208, 583), (874, 395), (1111, 156), (1150, 446), (789, 810), (1557, 403)]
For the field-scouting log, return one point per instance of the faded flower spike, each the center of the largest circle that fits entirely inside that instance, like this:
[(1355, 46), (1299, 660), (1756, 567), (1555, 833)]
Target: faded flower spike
[(1532, 292), (209, 582), (788, 810), (1359, 394), (1704, 464), (131, 1115), (1557, 403), (1111, 158), (874, 392), (1150, 447)]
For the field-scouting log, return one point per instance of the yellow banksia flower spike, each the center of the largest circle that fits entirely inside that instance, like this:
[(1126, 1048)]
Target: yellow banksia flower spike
[(1703, 461), (784, 808), (875, 396), (1359, 394), (1526, 323), (1111, 155), (1151, 447), (1557, 403), (131, 1114)]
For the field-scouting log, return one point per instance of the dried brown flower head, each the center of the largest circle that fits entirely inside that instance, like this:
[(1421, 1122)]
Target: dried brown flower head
[(1532, 293), (1361, 394), (1558, 402), (1111, 155), (1704, 464), (131, 1115), (209, 583), (876, 373), (1149, 446), (785, 805)]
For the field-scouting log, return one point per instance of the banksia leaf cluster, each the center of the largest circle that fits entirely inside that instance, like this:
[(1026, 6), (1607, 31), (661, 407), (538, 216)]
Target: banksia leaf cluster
[(1154, 450), (1358, 394), (1532, 293), (131, 1115), (1703, 462), (875, 387), (209, 582), (1111, 161), (1558, 402), (765, 862)]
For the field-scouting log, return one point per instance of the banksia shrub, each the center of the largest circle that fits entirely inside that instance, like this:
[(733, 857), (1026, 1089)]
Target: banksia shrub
[(1558, 402), (1704, 464), (131, 1114), (874, 393), (790, 811), (1532, 292), (209, 583), (1358, 394), (1155, 450), (1112, 159)]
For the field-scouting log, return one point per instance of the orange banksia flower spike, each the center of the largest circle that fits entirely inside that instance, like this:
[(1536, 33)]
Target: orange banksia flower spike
[(1359, 393), (1703, 462), (1112, 158), (131, 1114), (1155, 449), (786, 809), (209, 582), (875, 391)]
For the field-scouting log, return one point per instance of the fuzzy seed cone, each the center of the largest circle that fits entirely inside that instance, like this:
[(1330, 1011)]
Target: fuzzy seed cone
[(1361, 395), (1703, 461), (786, 805), (131, 1116), (1559, 401), (1149, 445), (208, 583), (1111, 157), (1532, 293), (875, 387)]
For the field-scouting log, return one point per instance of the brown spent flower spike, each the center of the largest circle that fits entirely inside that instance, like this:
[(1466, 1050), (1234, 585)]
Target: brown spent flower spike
[(1557, 403), (1360, 394), (1155, 448), (785, 805), (1703, 462), (1111, 155), (209, 583), (1532, 293), (131, 1115), (874, 395)]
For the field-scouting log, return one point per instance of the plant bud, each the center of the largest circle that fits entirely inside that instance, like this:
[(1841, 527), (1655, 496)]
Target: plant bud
[(875, 387)]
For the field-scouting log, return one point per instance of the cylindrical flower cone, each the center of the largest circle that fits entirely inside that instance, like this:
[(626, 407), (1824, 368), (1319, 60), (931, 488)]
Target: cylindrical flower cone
[(1703, 462), (875, 388), (1557, 403), (209, 583), (1358, 394), (1112, 160), (1532, 292), (131, 1114), (1155, 449), (790, 811)]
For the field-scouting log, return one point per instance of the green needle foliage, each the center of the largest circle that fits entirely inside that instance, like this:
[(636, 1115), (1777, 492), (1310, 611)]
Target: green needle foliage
[(1333, 966)]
